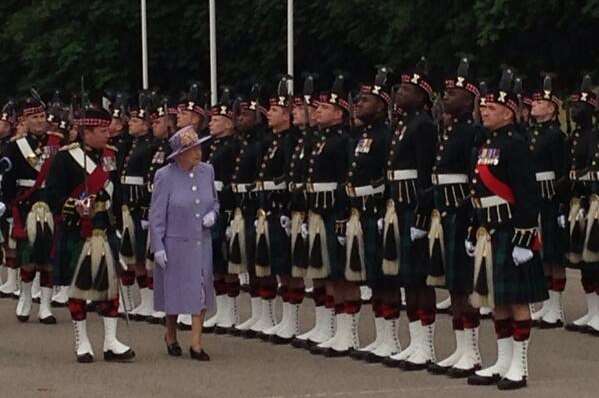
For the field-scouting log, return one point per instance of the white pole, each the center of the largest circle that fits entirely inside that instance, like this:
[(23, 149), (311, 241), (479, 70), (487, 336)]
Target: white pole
[(213, 75), (290, 42), (144, 44)]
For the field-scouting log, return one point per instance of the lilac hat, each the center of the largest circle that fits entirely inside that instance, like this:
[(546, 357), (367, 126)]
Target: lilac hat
[(185, 139)]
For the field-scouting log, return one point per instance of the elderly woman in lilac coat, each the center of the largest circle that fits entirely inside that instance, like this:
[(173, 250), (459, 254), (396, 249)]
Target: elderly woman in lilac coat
[(184, 208)]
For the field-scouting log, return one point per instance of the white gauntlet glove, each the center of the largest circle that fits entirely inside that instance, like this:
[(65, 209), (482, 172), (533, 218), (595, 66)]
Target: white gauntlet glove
[(521, 255), (286, 224), (416, 233), (304, 230), (469, 248), (380, 225), (561, 221)]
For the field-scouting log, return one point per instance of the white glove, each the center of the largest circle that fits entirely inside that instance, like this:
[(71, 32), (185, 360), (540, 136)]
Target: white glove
[(341, 240), (561, 221), (144, 224), (209, 220), (255, 224), (521, 255), (416, 234), (2, 208), (580, 215), (119, 235), (304, 230), (229, 233), (381, 225), (286, 224), (469, 248), (160, 259)]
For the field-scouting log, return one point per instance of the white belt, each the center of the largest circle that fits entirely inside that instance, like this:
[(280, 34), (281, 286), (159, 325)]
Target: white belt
[(545, 176), (399, 175), (27, 183), (241, 188), (590, 176), (489, 201), (366, 190), (218, 185), (130, 180), (321, 187), (271, 186), (295, 186), (446, 179)]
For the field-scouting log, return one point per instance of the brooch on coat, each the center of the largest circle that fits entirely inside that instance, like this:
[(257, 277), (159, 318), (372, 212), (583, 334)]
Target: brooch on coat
[(489, 156), (363, 145)]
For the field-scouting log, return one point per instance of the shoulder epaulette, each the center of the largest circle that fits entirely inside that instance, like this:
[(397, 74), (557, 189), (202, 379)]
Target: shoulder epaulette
[(70, 146)]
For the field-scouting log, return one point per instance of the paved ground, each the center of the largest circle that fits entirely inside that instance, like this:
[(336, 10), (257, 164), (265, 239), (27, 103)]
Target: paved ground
[(38, 361)]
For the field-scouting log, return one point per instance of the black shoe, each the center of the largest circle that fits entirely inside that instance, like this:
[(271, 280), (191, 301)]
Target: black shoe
[(198, 356), (591, 331), (184, 327), (331, 353), (358, 355), (456, 373), (392, 363), (221, 330), (436, 369), (476, 380), (316, 350), (547, 325), (173, 349), (249, 334), (23, 318), (140, 318), (572, 327), (127, 356), (413, 367), (36, 300), (278, 340), (56, 304), (49, 320), (263, 336), (507, 384), (236, 332), (154, 321), (297, 343), (85, 358), (373, 358), (7, 295)]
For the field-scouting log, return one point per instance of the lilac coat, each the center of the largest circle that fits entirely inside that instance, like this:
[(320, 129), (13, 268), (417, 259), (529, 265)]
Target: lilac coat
[(180, 200)]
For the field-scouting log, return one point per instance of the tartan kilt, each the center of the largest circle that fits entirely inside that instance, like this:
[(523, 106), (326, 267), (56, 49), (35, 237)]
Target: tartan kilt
[(24, 253), (459, 267), (141, 237), (279, 246), (522, 284), (335, 250), (373, 253), (414, 258), (552, 236), (66, 243), (220, 257)]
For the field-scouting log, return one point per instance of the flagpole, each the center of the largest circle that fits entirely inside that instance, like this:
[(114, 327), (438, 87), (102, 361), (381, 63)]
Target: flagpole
[(213, 64), (144, 45), (290, 57)]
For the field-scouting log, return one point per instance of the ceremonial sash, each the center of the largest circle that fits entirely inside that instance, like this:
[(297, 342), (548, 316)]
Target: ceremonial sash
[(495, 185), (18, 231), (98, 180)]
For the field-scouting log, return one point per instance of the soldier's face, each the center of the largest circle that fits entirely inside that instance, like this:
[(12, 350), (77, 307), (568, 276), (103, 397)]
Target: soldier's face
[(542, 110), (4, 128), (116, 126), (138, 127), (246, 119), (496, 116), (457, 101), (37, 123), (73, 133), (299, 116), (368, 106), (220, 125), (187, 118), (327, 115), (408, 95), (96, 137), (278, 118), (160, 127)]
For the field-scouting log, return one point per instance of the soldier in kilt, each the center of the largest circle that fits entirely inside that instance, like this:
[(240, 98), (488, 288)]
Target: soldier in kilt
[(323, 173), (359, 252), (242, 233), (8, 118), (508, 274), (547, 145), (450, 266), (223, 150), (582, 214), (80, 189), (191, 111), (24, 191), (162, 127), (273, 225), (409, 164), (135, 205)]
